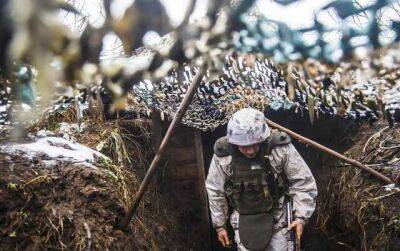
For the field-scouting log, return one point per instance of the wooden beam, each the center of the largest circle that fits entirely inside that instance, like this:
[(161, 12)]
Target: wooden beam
[(181, 139), (201, 188), (156, 129), (182, 172), (181, 154), (187, 99), (331, 152)]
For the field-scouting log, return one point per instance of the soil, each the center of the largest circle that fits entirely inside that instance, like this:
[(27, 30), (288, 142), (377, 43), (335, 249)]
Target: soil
[(77, 207), (66, 206), (354, 208)]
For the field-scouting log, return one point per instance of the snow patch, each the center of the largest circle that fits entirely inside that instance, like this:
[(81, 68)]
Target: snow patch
[(53, 150)]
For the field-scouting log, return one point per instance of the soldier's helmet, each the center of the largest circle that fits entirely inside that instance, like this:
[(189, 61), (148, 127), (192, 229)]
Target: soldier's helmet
[(247, 127)]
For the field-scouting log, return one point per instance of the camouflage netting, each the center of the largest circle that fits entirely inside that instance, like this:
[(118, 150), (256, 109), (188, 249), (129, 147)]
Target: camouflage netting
[(226, 27), (217, 97), (361, 90)]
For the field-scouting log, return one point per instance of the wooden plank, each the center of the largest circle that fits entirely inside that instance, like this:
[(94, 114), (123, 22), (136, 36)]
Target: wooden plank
[(156, 129), (182, 139), (192, 166), (179, 154), (183, 172), (201, 188), (183, 163)]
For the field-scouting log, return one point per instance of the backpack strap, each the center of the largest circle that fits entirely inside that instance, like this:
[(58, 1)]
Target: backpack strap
[(277, 138), (221, 147)]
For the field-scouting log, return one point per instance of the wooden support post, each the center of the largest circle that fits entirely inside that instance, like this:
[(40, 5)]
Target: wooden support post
[(171, 130), (201, 188), (156, 129)]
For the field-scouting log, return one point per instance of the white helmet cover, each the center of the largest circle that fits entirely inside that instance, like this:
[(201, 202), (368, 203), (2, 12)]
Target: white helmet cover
[(247, 127)]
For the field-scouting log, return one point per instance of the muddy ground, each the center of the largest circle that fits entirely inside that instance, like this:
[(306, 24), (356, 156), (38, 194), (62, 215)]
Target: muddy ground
[(77, 207), (66, 206)]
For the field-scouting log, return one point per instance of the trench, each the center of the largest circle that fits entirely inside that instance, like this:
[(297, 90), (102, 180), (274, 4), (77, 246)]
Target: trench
[(182, 202), (329, 131), (172, 215)]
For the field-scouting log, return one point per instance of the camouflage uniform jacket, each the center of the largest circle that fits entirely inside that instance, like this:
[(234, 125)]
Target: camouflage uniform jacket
[(283, 159)]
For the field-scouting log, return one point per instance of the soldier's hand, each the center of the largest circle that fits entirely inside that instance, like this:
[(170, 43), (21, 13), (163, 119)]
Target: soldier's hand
[(298, 228), (223, 237)]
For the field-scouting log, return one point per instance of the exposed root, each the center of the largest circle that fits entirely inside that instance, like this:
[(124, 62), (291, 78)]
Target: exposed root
[(88, 236)]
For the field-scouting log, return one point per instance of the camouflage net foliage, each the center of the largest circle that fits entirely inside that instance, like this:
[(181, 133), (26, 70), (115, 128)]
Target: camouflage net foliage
[(34, 35), (259, 85), (285, 44), (226, 40), (362, 90)]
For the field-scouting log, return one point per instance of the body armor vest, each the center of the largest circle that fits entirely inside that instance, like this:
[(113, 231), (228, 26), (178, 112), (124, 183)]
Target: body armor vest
[(253, 187)]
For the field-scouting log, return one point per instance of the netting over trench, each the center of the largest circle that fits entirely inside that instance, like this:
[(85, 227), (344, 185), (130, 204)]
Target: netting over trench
[(311, 88)]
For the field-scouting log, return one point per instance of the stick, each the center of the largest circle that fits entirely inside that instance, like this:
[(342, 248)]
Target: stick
[(373, 136), (88, 236), (171, 129), (330, 152)]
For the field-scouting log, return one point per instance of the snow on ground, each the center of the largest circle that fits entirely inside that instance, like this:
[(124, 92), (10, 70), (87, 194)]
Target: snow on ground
[(68, 130), (53, 150)]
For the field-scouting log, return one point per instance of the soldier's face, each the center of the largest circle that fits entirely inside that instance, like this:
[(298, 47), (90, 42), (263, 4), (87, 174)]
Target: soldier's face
[(250, 151)]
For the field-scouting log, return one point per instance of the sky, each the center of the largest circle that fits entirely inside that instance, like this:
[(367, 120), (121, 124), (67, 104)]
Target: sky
[(297, 15)]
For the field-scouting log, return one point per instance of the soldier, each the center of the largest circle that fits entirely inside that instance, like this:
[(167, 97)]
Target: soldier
[(256, 171)]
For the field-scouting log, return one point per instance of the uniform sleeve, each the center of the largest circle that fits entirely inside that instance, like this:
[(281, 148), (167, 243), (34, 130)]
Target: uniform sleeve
[(215, 181), (302, 187)]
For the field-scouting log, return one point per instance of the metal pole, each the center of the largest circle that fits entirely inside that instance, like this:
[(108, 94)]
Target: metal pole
[(171, 129), (330, 152)]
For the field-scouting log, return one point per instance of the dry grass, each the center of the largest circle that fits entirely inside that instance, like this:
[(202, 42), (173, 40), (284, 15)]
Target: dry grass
[(356, 202), (128, 151), (128, 146), (51, 120)]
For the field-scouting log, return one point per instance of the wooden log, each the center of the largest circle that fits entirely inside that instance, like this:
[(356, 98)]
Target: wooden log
[(331, 152), (201, 188), (171, 130)]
